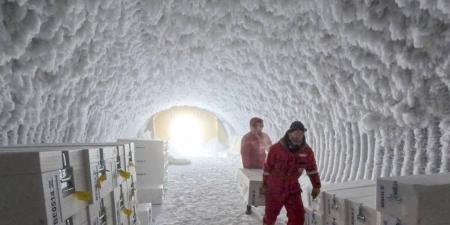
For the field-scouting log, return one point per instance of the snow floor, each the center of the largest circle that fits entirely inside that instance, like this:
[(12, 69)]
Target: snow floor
[(205, 192)]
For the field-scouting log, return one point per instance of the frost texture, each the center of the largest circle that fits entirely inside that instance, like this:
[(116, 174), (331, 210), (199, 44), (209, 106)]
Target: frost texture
[(369, 78)]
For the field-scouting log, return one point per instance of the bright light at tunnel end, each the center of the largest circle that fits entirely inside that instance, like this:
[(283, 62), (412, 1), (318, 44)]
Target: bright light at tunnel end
[(187, 136)]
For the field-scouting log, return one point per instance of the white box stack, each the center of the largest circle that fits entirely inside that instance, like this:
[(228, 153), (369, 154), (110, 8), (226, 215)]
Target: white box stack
[(151, 163), (318, 204), (315, 208), (65, 184), (144, 212), (249, 183), (414, 200), (152, 194), (313, 217), (335, 202), (30, 179), (363, 211)]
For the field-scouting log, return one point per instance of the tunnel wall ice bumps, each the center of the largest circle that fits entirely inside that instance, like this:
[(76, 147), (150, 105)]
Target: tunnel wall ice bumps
[(370, 79)]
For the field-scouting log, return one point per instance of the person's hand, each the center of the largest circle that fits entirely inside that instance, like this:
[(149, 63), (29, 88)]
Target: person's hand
[(262, 190), (315, 192)]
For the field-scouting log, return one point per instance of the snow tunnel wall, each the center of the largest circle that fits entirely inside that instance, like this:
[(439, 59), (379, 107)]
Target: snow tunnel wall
[(369, 78)]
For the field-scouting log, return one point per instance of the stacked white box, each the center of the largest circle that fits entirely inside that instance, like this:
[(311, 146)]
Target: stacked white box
[(144, 212), (318, 204), (107, 170), (30, 179), (88, 216), (66, 180), (84, 164), (77, 174), (151, 164), (312, 217), (120, 206), (250, 183), (152, 194), (362, 211), (335, 202), (414, 200)]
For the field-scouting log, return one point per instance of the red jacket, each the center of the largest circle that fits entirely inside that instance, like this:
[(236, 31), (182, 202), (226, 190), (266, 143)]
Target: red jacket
[(283, 168), (253, 150)]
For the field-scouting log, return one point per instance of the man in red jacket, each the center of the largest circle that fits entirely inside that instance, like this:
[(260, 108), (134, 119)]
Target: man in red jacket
[(254, 145), (283, 167)]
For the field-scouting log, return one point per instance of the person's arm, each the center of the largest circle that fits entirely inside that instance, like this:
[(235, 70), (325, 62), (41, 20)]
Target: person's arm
[(313, 174), (269, 142), (245, 152), (268, 166)]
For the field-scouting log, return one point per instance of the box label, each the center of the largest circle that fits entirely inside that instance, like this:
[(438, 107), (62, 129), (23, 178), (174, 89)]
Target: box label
[(53, 200)]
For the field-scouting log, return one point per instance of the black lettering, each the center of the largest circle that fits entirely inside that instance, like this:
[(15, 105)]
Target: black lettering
[(53, 203)]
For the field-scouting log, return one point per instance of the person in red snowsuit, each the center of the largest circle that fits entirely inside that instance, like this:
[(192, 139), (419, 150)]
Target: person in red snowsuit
[(283, 167), (254, 145)]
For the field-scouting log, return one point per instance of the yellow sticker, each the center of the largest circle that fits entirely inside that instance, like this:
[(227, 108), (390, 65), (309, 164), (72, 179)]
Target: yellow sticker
[(100, 180), (125, 174), (83, 196), (127, 212)]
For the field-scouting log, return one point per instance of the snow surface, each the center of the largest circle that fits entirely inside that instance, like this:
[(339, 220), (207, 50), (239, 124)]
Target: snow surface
[(370, 79), (206, 192)]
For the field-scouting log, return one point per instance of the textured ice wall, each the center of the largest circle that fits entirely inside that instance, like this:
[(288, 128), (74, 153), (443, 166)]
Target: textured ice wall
[(369, 78)]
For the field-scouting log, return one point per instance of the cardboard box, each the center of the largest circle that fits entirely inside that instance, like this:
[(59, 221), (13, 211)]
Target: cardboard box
[(415, 200), (250, 183)]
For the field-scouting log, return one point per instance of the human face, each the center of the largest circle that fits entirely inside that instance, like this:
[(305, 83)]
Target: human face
[(258, 127), (296, 136)]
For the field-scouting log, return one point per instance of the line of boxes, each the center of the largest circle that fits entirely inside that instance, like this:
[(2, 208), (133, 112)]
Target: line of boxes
[(414, 200), (66, 184), (151, 169), (407, 200)]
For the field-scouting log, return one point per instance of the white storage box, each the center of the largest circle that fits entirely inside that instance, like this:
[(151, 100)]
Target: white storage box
[(318, 204), (107, 170), (111, 204), (154, 194), (76, 177), (31, 198), (336, 208), (415, 200), (120, 206), (144, 212), (362, 211), (84, 166), (313, 217), (250, 183), (151, 161), (87, 216), (393, 220)]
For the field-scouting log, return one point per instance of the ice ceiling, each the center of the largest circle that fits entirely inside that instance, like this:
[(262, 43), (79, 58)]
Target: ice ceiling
[(369, 78)]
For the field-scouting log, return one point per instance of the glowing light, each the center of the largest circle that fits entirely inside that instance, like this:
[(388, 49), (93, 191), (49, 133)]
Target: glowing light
[(186, 135)]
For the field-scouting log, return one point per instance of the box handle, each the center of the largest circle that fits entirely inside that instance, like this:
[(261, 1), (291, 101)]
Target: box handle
[(360, 215), (394, 196)]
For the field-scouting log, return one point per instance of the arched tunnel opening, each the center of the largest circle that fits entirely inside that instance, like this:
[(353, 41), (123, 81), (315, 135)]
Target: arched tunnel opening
[(190, 131)]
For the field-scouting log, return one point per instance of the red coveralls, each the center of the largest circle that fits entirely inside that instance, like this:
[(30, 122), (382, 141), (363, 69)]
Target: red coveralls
[(253, 148), (281, 173)]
